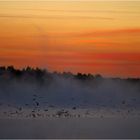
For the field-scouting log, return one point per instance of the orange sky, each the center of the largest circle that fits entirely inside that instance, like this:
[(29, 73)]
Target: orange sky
[(78, 36)]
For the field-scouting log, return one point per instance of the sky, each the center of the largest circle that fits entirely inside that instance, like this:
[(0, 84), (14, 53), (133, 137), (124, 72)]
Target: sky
[(77, 36)]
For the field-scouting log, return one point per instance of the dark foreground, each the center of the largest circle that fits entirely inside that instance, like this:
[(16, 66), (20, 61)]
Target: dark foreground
[(70, 128)]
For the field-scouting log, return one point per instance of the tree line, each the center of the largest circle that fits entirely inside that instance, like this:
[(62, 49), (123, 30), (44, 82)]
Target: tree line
[(39, 74)]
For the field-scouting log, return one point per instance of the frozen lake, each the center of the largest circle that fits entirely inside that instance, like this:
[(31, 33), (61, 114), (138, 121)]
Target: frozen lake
[(70, 128), (68, 107)]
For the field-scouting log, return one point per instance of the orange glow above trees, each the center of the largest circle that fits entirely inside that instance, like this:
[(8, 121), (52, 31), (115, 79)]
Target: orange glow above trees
[(90, 37)]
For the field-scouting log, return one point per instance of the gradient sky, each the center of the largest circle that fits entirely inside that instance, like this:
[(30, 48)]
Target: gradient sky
[(77, 36)]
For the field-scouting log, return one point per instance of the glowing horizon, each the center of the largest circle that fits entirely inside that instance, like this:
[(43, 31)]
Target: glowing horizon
[(78, 36)]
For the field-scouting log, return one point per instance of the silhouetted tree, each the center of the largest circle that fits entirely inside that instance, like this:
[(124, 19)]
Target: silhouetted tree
[(81, 76), (2, 70), (11, 69)]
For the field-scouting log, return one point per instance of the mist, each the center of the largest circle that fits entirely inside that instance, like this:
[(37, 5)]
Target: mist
[(60, 91), (35, 103)]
